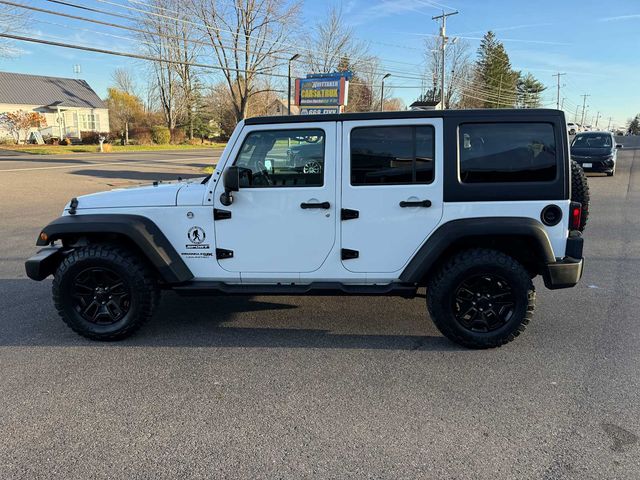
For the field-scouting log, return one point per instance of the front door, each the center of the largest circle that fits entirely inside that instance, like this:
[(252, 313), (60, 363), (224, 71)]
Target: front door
[(392, 181), (282, 218)]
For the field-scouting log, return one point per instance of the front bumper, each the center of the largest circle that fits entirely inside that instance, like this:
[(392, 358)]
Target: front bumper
[(566, 273), (44, 263), (597, 166)]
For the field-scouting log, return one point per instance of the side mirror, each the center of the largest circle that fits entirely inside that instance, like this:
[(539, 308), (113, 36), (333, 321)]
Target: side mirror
[(619, 145), (231, 183)]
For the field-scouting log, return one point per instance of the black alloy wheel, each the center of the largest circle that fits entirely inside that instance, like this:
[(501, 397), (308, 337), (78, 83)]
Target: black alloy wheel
[(483, 303), (101, 296)]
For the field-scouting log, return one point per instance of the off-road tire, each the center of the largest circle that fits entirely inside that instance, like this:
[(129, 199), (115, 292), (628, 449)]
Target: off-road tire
[(580, 191), (144, 291), (440, 296)]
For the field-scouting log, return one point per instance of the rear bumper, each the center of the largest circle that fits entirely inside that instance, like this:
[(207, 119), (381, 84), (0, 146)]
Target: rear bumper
[(566, 273), (44, 263)]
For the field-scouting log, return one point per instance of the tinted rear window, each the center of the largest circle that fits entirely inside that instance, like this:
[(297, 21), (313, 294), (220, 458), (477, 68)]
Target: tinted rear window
[(395, 155), (507, 152)]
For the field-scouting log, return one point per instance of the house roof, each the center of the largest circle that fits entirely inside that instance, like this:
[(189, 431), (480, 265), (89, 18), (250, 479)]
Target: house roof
[(21, 89)]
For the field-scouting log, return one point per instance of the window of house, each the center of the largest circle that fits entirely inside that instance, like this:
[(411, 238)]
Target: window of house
[(507, 152), (395, 155), (88, 121), (282, 158)]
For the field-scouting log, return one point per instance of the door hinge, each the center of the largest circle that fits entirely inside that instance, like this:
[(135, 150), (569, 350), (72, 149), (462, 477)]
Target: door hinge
[(221, 253), (219, 214), (348, 214), (348, 254)]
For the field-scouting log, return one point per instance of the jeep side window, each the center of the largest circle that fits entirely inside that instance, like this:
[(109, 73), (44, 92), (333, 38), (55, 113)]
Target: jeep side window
[(507, 152), (282, 158), (396, 155)]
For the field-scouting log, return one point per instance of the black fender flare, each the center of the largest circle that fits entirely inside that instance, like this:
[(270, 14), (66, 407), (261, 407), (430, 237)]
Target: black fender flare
[(455, 230), (142, 231)]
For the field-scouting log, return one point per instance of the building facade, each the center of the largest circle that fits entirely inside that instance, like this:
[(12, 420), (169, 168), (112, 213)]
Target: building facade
[(70, 106)]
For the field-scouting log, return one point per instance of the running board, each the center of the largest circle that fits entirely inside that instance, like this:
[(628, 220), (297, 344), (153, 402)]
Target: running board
[(404, 290)]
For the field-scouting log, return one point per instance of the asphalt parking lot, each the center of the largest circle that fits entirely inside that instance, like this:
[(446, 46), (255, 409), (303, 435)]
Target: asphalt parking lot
[(315, 387)]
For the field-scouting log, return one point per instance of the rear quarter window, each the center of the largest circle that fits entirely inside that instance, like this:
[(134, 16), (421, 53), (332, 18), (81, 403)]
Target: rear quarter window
[(507, 152)]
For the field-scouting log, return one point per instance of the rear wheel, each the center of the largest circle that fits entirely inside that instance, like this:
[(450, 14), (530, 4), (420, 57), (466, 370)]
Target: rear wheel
[(104, 292), (580, 191), (481, 298)]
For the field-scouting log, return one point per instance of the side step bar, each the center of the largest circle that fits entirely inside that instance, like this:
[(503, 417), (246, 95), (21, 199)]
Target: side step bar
[(317, 288)]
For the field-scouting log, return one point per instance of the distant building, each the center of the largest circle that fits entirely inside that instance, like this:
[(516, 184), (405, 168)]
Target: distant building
[(425, 105), (279, 107), (69, 105)]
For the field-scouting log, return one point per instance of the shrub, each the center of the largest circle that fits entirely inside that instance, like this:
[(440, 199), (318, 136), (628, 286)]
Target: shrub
[(178, 136), (142, 135), (52, 141), (106, 148), (65, 142), (91, 138), (160, 135)]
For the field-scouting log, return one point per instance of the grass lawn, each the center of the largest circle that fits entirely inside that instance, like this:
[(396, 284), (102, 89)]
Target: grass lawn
[(61, 150)]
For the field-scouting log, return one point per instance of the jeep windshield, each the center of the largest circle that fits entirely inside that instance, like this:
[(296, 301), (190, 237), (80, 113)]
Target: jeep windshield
[(592, 140)]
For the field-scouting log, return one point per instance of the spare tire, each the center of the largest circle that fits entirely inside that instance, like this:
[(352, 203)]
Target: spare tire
[(580, 191)]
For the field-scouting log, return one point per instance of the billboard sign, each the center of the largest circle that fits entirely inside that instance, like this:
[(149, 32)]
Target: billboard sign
[(322, 90)]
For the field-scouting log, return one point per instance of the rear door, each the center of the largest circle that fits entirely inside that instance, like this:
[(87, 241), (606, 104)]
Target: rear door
[(392, 185)]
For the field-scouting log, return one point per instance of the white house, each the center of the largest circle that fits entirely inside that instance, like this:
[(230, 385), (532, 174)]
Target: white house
[(69, 105)]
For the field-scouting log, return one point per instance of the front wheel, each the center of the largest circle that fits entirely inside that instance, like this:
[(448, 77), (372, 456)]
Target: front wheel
[(104, 292), (481, 298)]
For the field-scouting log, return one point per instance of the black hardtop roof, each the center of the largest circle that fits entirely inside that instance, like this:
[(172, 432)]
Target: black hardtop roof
[(498, 113)]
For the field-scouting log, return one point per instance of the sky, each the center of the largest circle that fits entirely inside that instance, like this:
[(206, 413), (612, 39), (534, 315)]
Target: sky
[(597, 44)]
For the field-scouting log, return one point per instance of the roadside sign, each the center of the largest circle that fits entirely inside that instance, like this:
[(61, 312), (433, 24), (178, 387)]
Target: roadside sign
[(322, 90)]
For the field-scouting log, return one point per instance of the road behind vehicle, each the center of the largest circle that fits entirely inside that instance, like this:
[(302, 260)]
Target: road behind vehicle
[(595, 152), (471, 204)]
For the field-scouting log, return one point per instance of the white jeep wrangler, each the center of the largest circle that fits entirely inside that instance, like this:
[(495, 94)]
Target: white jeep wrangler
[(471, 204)]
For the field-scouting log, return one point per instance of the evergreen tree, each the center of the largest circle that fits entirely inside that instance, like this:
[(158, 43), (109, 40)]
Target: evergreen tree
[(529, 91), (634, 126), (494, 84)]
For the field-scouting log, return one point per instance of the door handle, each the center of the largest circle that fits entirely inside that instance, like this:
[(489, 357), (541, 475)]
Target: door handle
[(420, 203), (324, 205)]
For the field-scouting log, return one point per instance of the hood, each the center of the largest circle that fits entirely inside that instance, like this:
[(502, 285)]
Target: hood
[(591, 152), (161, 195)]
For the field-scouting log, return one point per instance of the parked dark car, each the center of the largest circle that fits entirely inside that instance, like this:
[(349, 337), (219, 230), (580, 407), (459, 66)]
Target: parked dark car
[(595, 152)]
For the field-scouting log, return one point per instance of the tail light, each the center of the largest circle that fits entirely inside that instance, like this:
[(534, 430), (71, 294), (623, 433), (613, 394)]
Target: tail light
[(575, 215)]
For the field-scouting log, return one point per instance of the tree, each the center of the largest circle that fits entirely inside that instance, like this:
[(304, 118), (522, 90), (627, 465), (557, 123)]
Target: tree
[(494, 82), (244, 39), (21, 121), (634, 125), (124, 109), (458, 70), (123, 80), (331, 41), (169, 37), (529, 90), (12, 19)]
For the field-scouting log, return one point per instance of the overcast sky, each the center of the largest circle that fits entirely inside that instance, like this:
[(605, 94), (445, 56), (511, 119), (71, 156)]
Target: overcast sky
[(597, 44)]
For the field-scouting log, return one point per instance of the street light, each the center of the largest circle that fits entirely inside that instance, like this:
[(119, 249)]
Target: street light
[(296, 56), (382, 92)]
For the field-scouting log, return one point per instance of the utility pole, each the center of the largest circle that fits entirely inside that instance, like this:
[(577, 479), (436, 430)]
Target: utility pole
[(558, 94), (597, 118), (575, 117), (499, 91), (444, 38), (562, 104), (584, 104), (609, 126)]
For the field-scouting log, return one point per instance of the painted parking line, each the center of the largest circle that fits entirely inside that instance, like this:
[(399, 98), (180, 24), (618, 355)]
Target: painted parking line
[(102, 164)]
